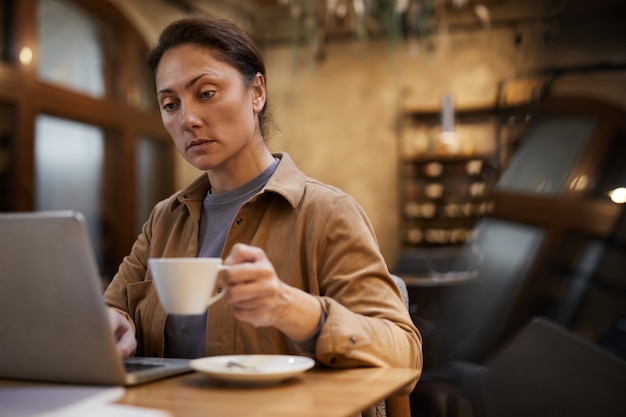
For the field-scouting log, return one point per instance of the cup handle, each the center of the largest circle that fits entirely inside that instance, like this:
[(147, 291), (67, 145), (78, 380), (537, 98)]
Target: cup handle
[(220, 294)]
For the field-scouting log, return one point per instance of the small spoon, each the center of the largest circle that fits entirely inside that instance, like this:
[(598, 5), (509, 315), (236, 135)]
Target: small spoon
[(235, 364)]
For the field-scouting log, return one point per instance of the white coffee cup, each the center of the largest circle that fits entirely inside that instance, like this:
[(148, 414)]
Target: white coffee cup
[(186, 285)]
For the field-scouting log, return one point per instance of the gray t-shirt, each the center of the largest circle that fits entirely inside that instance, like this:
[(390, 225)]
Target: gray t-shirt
[(185, 336)]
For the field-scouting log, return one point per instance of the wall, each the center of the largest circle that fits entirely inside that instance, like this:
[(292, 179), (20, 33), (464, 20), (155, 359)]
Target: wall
[(337, 121), (338, 117)]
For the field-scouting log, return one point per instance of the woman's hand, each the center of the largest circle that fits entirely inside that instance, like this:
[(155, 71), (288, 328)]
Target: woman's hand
[(123, 332), (259, 297)]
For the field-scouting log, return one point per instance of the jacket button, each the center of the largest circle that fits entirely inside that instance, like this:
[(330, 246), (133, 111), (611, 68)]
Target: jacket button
[(219, 290), (239, 221)]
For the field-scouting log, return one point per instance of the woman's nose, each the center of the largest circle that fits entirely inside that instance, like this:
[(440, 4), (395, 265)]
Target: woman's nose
[(191, 116)]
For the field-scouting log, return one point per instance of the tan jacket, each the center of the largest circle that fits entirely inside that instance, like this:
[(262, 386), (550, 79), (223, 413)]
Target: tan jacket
[(318, 239)]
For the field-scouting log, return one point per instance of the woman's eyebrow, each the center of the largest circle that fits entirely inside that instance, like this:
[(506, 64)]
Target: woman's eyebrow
[(195, 79), (189, 83)]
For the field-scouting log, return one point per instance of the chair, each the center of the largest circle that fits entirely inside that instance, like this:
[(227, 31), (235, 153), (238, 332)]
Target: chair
[(397, 405), (547, 370), (472, 321), (403, 289)]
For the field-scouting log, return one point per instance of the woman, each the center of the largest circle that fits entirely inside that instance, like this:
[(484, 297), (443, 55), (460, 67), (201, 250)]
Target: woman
[(307, 276)]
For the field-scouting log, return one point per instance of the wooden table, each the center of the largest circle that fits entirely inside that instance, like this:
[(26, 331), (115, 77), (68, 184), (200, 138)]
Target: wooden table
[(440, 279), (316, 393)]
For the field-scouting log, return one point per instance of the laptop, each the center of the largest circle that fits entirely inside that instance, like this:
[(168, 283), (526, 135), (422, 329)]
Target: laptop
[(547, 371), (53, 320)]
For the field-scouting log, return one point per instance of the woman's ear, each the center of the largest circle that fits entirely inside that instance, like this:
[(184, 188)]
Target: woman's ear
[(258, 92)]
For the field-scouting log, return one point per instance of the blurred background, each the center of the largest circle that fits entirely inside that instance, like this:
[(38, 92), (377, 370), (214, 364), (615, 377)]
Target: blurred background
[(484, 139)]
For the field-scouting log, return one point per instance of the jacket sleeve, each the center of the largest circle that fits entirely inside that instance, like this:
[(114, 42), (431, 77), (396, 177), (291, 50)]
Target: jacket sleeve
[(367, 322), (132, 270), (133, 296)]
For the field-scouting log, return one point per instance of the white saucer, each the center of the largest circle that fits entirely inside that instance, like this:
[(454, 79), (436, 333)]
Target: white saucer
[(256, 369)]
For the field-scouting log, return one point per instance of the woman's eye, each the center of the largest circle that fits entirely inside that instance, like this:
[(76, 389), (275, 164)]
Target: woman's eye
[(168, 107), (207, 94)]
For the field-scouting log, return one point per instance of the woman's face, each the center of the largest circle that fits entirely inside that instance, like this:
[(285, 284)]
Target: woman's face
[(206, 107)]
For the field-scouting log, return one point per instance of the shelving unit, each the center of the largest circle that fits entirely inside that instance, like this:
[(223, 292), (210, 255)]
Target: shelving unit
[(443, 198), (446, 180)]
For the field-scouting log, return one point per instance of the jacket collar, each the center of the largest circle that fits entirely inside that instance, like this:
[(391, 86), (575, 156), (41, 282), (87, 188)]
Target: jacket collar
[(288, 181)]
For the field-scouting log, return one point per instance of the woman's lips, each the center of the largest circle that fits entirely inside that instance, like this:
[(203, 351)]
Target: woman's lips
[(197, 143)]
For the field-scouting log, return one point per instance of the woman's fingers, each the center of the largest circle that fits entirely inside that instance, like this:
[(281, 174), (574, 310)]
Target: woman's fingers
[(123, 332)]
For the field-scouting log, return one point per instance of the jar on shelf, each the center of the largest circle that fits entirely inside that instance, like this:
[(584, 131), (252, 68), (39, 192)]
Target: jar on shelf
[(420, 142)]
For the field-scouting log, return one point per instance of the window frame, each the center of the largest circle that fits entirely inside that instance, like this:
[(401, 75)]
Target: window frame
[(21, 88)]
